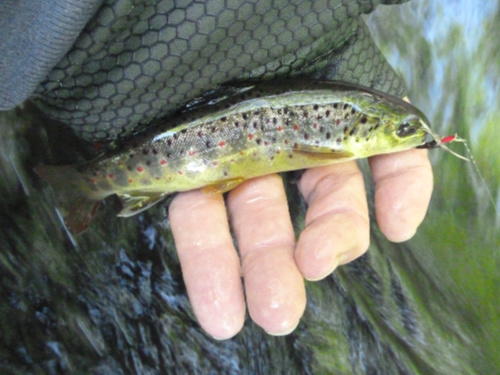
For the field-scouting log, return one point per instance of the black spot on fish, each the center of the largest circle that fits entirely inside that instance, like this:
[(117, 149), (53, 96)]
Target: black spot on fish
[(370, 129), (184, 131), (131, 156), (321, 129), (129, 168), (335, 105), (316, 107), (364, 119), (258, 141), (148, 163), (275, 120), (376, 126), (176, 135), (245, 116), (339, 140), (154, 151), (169, 142), (346, 129), (236, 123), (327, 113), (346, 106), (353, 131), (145, 151), (306, 136), (200, 134), (255, 124), (328, 135), (280, 111), (273, 140), (214, 129), (353, 111), (256, 113), (295, 145), (306, 113), (169, 154), (223, 119)]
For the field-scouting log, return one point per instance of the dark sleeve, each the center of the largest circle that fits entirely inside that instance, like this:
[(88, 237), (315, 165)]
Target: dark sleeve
[(136, 61), (34, 36)]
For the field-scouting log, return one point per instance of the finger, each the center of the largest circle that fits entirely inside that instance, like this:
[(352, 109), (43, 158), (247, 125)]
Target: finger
[(274, 287), (403, 188), (210, 264), (337, 222)]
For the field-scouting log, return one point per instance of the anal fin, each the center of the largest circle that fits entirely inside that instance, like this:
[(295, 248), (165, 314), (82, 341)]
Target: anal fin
[(133, 204)]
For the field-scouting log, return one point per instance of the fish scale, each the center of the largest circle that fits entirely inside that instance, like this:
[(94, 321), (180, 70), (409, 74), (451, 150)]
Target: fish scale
[(263, 128)]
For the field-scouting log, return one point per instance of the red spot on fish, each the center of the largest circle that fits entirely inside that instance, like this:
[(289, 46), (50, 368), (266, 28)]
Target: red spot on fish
[(241, 153), (266, 143), (280, 128), (295, 127), (140, 169), (163, 162), (287, 141), (448, 139), (315, 126), (214, 163), (180, 172), (337, 122), (222, 143), (278, 152), (130, 180), (250, 136), (93, 180), (191, 153), (111, 175)]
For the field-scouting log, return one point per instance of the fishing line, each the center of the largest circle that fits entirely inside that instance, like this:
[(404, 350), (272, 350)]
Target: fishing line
[(439, 142)]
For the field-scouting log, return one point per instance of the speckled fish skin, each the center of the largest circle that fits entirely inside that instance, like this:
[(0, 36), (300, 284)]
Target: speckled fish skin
[(264, 128)]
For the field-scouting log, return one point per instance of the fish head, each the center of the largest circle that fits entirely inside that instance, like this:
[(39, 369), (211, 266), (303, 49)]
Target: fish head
[(390, 130), (406, 132)]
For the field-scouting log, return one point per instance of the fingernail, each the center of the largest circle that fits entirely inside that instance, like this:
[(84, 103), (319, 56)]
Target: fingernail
[(283, 333), (325, 274)]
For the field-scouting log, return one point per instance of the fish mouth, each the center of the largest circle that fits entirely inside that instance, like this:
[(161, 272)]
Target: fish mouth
[(429, 141)]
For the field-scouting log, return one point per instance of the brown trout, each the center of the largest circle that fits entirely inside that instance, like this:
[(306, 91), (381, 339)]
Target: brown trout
[(264, 128)]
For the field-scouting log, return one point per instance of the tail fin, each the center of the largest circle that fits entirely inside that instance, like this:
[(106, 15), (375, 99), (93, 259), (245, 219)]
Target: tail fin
[(73, 198)]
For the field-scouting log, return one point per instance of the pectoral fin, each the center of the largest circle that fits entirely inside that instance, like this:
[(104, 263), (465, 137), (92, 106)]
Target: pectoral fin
[(223, 186), (321, 152), (133, 204)]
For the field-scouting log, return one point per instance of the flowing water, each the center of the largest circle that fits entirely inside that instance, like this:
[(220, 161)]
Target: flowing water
[(113, 302)]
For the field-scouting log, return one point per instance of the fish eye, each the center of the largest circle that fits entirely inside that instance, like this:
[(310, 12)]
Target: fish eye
[(405, 129)]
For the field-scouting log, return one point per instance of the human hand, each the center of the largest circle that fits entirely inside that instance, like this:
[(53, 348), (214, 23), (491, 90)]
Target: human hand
[(272, 265)]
